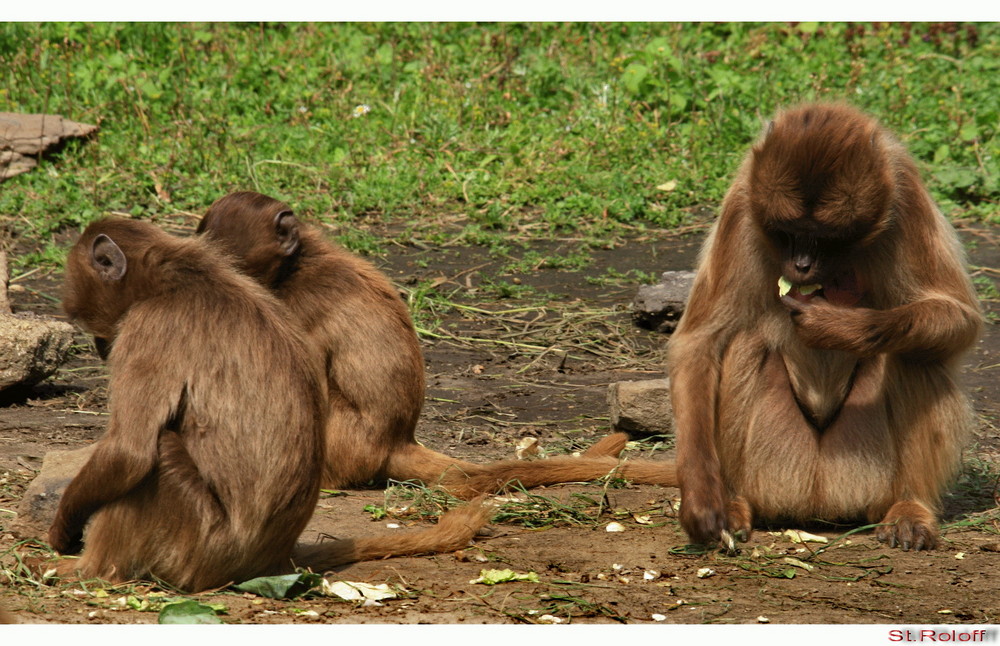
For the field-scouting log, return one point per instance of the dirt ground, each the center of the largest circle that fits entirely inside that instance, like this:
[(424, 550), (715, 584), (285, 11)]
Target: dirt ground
[(487, 389)]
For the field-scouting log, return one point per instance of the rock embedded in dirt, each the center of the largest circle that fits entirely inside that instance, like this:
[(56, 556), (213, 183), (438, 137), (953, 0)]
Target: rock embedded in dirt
[(25, 136), (41, 499), (32, 347), (659, 307), (641, 408)]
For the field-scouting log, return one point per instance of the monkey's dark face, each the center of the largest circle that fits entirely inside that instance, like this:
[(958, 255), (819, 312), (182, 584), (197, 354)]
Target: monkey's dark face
[(812, 266), (805, 257)]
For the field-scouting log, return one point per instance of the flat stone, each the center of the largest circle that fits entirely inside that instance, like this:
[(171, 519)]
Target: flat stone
[(641, 408), (25, 136), (41, 499)]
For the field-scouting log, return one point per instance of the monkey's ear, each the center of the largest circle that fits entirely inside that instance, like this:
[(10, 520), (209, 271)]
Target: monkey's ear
[(286, 229), (107, 258)]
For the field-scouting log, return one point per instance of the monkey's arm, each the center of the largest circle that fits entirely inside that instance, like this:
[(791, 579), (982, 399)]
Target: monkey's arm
[(113, 470), (930, 329), (124, 456), (694, 384)]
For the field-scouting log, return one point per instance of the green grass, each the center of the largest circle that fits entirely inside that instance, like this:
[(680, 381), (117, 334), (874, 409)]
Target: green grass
[(478, 133)]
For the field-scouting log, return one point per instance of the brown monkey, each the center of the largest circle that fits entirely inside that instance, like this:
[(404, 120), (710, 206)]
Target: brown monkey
[(210, 465), (355, 320), (838, 399)]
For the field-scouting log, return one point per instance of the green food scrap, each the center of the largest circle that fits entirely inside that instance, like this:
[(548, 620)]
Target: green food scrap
[(493, 577)]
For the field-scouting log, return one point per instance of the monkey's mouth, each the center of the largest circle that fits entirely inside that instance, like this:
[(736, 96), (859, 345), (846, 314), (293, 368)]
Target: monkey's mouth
[(842, 288)]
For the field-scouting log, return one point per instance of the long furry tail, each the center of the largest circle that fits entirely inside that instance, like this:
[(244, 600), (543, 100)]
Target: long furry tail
[(495, 477), (467, 480), (454, 530)]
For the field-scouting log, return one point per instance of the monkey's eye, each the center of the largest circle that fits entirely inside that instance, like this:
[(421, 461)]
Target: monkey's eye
[(782, 239)]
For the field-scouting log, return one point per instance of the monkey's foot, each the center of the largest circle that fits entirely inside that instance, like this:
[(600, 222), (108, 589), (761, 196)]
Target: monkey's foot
[(49, 570), (909, 524), (740, 518)]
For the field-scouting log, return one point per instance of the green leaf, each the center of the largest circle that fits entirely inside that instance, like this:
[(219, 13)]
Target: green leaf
[(943, 153), (633, 76), (150, 89), (956, 177), (285, 586), (414, 67), (659, 47), (383, 56), (188, 612)]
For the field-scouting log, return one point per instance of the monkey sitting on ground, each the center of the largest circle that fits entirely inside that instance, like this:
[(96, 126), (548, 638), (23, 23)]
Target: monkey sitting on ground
[(833, 396), (356, 322), (210, 466)]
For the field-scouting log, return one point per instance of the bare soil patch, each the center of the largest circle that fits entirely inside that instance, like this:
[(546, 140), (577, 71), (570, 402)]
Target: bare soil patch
[(542, 369)]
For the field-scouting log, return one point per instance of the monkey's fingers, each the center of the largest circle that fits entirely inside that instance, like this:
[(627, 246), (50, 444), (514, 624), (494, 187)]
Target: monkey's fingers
[(907, 535), (704, 524), (794, 306)]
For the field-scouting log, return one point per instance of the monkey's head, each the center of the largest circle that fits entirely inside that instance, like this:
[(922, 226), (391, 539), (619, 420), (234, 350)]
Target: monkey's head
[(260, 233), (100, 283), (820, 191)]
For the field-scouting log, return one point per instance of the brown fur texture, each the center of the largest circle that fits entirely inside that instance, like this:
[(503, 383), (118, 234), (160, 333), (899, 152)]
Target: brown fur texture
[(210, 466), (837, 406), (356, 322)]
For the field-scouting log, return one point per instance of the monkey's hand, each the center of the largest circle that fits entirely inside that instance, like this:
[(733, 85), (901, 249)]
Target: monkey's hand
[(711, 519), (820, 324), (703, 515), (63, 539)]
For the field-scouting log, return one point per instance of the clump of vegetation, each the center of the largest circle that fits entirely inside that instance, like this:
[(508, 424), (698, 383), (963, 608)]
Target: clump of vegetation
[(480, 132)]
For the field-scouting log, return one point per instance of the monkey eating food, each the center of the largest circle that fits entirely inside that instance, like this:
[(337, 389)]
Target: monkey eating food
[(834, 397)]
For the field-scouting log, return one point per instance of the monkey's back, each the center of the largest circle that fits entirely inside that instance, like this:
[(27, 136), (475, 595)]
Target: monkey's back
[(248, 406), (353, 314)]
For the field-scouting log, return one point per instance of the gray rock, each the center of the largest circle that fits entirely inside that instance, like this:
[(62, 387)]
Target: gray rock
[(659, 307), (41, 499), (32, 347), (641, 407)]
